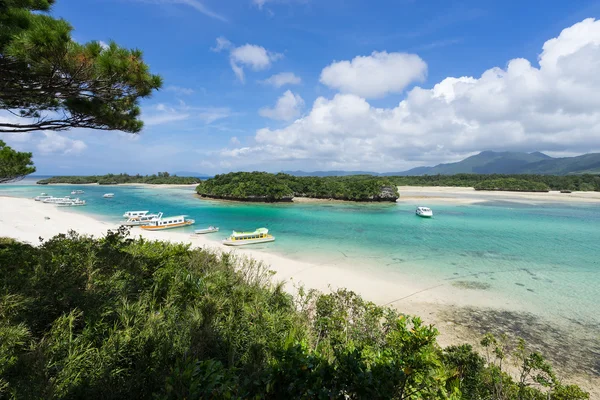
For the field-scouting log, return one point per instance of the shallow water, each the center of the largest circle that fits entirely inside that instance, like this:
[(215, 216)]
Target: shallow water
[(542, 257)]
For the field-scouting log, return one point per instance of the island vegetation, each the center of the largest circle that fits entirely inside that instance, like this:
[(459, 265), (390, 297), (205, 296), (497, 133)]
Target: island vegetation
[(263, 186), (121, 318), (162, 178), (586, 182), (512, 185)]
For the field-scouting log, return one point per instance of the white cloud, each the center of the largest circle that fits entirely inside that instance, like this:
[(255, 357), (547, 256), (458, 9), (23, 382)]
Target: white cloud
[(554, 107), (282, 79), (253, 56), (179, 90), (164, 115), (288, 107), (210, 115), (259, 3), (222, 44), (235, 141), (102, 44), (376, 75), (53, 143), (195, 4)]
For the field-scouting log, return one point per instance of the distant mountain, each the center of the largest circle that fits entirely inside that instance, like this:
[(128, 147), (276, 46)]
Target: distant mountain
[(486, 162), (328, 173), (492, 162), (585, 164)]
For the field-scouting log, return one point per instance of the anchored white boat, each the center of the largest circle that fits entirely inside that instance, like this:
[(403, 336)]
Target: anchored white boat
[(141, 220), (56, 200), (168, 223), (71, 203), (210, 229), (133, 214), (77, 192), (261, 235), (42, 197), (424, 212), (108, 195)]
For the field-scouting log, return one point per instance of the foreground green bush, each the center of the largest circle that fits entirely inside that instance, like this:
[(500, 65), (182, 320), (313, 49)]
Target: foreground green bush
[(117, 318)]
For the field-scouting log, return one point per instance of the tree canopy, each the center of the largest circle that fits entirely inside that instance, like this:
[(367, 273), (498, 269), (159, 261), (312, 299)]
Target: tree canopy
[(51, 82), (14, 165), (162, 178)]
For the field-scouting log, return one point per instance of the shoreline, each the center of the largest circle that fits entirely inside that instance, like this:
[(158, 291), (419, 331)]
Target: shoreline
[(456, 312)]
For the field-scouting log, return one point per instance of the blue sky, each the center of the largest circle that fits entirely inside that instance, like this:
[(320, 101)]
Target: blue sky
[(332, 110)]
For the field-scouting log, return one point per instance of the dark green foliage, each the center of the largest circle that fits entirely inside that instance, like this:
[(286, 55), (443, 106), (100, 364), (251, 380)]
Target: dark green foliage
[(116, 318), (570, 182), (162, 178), (512, 185), (55, 83), (14, 165), (262, 186)]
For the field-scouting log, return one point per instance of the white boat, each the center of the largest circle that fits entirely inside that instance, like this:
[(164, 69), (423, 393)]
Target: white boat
[(424, 212), (261, 235), (71, 203), (42, 197), (77, 192), (210, 229), (56, 200), (143, 220), (168, 223), (133, 214), (108, 195)]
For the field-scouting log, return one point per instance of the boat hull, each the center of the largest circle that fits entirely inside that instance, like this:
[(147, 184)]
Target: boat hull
[(205, 231), (228, 242), (425, 215), (164, 227)]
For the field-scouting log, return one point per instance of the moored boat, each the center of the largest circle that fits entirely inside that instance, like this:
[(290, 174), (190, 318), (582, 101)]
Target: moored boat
[(56, 200), (77, 192), (168, 223), (141, 220), (42, 197), (108, 195), (261, 235), (424, 212), (210, 229), (133, 214), (71, 203)]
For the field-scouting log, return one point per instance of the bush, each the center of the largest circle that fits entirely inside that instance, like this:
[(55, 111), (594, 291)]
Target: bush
[(117, 318)]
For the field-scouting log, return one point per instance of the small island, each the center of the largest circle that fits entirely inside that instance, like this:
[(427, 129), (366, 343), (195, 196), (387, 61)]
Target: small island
[(162, 178), (512, 185), (266, 187)]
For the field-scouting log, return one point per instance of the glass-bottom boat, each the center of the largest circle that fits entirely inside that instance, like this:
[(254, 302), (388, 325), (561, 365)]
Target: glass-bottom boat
[(261, 235)]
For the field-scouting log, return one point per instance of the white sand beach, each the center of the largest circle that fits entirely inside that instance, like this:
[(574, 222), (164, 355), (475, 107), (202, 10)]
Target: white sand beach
[(466, 195), (28, 220)]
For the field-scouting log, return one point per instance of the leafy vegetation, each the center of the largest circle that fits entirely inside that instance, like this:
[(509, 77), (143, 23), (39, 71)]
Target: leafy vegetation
[(571, 182), (162, 178), (51, 82), (513, 185), (117, 318), (14, 165), (262, 186)]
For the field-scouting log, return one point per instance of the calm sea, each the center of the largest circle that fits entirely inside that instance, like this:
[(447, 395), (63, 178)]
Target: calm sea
[(545, 257)]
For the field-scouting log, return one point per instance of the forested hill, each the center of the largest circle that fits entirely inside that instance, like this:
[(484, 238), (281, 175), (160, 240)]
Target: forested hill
[(265, 187), (162, 178)]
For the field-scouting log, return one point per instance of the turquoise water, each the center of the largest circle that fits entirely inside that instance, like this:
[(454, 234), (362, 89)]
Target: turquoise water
[(543, 257)]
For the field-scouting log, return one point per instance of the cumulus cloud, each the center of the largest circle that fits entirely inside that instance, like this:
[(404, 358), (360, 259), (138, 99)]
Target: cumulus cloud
[(376, 75), (554, 107), (248, 55), (282, 79), (53, 143), (288, 107)]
